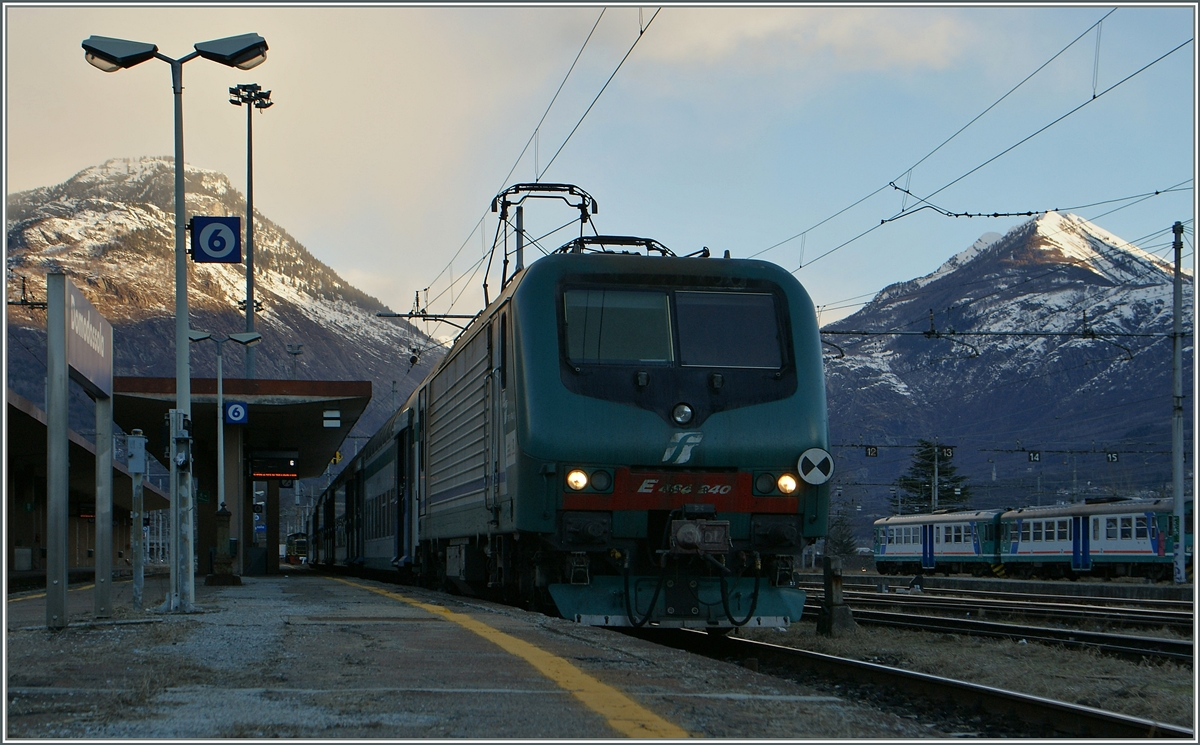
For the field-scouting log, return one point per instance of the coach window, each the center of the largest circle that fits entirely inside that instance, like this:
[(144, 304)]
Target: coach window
[(1126, 528), (1110, 528), (1026, 526), (1095, 528), (1037, 530), (937, 533), (1062, 530), (1140, 527)]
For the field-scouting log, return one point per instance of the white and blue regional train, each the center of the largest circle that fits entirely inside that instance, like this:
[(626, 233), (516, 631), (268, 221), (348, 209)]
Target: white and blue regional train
[(1108, 537)]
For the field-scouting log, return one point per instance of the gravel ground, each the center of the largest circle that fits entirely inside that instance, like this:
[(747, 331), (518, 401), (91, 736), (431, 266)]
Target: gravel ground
[(1163, 692), (310, 657)]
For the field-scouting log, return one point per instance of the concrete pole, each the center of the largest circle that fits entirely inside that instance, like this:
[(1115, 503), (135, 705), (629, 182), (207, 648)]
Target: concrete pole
[(1177, 414), (935, 475), (172, 601), (136, 542), (221, 432), (249, 235), (181, 479), (57, 465), (102, 595), (135, 448)]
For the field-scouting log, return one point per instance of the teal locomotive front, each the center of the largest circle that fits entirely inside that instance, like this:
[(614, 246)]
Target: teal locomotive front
[(657, 450)]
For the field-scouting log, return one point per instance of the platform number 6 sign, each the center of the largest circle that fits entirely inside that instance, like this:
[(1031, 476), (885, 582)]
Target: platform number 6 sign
[(216, 240)]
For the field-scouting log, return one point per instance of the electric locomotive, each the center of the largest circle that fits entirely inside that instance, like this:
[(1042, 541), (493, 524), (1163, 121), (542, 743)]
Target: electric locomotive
[(627, 438)]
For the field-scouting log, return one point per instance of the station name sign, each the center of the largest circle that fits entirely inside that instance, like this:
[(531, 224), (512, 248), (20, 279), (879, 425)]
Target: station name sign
[(89, 344)]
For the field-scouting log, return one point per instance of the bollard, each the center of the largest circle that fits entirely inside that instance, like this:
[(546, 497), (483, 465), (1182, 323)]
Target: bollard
[(835, 618)]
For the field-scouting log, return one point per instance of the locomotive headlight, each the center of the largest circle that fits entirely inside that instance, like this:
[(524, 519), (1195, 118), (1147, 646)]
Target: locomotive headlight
[(765, 483), (787, 483), (577, 480), (682, 413)]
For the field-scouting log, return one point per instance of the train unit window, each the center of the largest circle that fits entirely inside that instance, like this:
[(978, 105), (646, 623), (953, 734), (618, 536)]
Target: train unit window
[(1142, 531), (1026, 527), (1126, 528), (728, 329), (618, 326), (1095, 528), (1037, 530), (1110, 528), (1063, 530), (937, 533)]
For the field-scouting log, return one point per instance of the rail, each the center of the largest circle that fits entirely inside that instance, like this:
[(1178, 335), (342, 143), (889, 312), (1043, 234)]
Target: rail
[(1056, 716)]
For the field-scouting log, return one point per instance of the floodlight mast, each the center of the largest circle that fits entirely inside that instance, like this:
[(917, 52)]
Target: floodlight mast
[(110, 55)]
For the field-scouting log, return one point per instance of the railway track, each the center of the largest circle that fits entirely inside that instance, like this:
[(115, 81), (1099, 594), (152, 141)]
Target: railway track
[(1122, 645), (1057, 717), (1068, 612)]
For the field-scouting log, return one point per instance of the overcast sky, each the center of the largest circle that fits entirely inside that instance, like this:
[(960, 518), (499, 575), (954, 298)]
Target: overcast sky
[(733, 128)]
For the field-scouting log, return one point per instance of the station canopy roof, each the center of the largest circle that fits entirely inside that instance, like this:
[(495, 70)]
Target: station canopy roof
[(310, 417)]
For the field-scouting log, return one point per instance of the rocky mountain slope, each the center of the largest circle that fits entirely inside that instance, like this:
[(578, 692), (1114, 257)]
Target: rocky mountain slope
[(1052, 338), (111, 229)]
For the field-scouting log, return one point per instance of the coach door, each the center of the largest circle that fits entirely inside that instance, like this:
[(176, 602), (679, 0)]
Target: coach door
[(1081, 549), (927, 558)]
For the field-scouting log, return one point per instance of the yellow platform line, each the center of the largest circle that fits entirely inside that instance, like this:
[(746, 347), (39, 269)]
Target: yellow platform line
[(42, 594), (621, 712)]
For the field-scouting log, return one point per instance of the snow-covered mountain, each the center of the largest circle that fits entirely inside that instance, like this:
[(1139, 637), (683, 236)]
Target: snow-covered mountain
[(111, 229), (1053, 338)]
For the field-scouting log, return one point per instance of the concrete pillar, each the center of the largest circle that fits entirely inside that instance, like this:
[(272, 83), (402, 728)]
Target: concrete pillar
[(272, 518), (235, 489), (836, 617)]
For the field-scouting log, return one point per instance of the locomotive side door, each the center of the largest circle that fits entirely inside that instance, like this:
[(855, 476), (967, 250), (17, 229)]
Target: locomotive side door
[(1081, 549)]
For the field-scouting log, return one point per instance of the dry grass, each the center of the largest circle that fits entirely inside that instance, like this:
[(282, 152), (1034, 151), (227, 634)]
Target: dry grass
[(1162, 692)]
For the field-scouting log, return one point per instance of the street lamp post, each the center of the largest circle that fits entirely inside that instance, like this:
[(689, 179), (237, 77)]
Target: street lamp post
[(248, 340), (109, 55), (254, 97)]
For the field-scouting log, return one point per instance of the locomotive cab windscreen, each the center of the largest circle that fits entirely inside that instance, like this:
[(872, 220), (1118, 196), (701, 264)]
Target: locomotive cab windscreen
[(685, 327)]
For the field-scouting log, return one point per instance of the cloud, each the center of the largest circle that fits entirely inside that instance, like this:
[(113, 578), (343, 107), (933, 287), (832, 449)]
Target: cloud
[(877, 39)]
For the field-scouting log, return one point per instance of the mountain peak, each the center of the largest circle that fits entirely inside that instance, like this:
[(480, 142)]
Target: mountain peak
[(1069, 238)]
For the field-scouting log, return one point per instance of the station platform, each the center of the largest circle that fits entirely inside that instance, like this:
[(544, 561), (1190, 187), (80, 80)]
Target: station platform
[(310, 655)]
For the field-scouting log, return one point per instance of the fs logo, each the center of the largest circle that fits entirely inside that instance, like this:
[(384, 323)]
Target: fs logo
[(679, 449)]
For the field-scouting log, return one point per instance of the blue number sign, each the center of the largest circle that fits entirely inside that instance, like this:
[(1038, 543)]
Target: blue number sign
[(217, 240), (236, 413)]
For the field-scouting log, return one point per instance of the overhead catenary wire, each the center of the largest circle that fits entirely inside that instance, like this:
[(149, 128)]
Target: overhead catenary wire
[(947, 141), (641, 33), (1007, 150), (532, 138), (1027, 213)]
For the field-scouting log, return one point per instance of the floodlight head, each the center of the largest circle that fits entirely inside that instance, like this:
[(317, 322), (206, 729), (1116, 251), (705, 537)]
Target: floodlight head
[(195, 335), (249, 338), (243, 52), (110, 55)]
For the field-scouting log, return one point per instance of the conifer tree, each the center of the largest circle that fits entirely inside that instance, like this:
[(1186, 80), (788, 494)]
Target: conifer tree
[(914, 490)]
